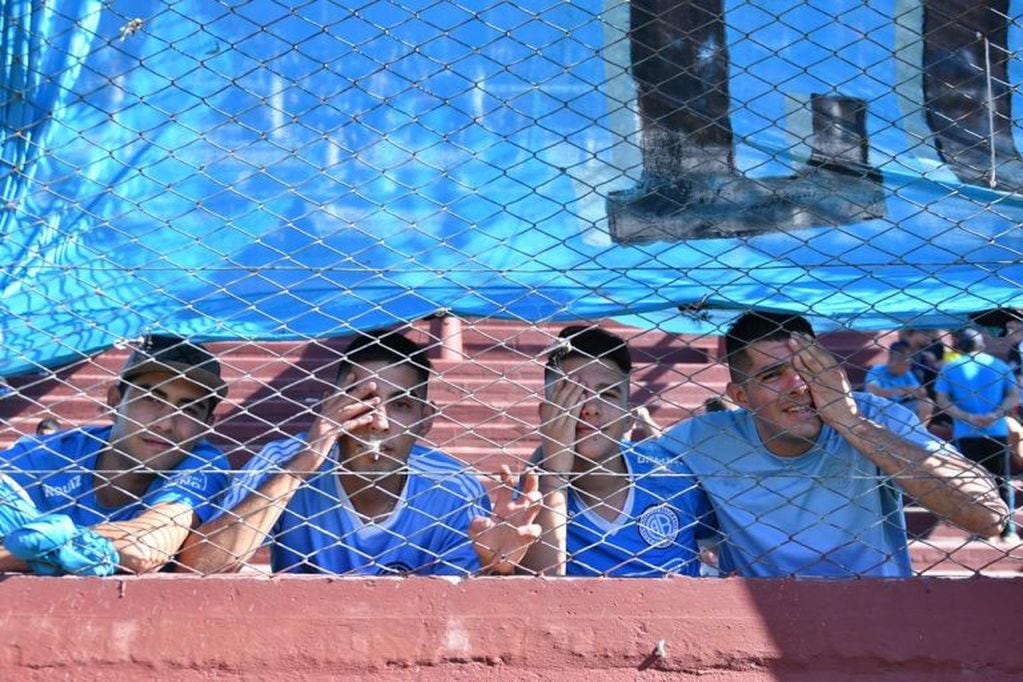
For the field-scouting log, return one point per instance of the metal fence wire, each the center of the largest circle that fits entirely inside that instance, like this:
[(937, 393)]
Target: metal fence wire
[(597, 288)]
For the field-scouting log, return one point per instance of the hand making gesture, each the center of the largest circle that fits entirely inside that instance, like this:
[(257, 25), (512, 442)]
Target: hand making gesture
[(502, 539)]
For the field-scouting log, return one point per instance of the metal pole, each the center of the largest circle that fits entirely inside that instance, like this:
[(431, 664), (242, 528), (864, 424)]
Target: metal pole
[(990, 96)]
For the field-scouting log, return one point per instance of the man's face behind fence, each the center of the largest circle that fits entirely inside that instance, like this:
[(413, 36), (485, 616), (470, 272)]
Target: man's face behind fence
[(778, 398), (403, 417), (604, 415), (159, 418)]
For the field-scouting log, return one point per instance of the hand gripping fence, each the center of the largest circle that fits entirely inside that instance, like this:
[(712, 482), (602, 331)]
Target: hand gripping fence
[(596, 288)]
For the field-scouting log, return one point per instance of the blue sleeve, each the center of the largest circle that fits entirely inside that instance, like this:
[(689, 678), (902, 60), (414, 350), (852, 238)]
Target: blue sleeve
[(252, 475), (256, 471), (872, 377), (16, 508), (941, 384), (195, 482), (17, 461), (677, 441)]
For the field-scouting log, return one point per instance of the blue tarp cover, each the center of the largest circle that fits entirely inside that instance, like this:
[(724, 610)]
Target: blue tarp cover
[(267, 170)]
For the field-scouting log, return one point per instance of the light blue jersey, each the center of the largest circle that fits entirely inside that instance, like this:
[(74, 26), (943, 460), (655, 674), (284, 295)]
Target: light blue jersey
[(977, 384), (827, 513), (879, 374), (57, 472), (320, 531), (654, 535)]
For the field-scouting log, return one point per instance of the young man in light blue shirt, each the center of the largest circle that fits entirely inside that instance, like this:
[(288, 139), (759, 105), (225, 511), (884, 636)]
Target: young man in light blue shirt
[(807, 478), (139, 484), (978, 391), (360, 494), (611, 507), (895, 380)]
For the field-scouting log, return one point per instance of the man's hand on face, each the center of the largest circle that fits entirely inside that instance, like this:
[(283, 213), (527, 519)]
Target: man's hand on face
[(828, 383), (501, 540), (559, 416), (343, 412)]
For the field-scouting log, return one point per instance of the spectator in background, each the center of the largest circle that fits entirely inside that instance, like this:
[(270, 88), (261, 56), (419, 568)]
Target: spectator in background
[(949, 347), (805, 480), (47, 426), (1014, 359), (978, 391), (360, 494), (927, 354), (132, 490), (1014, 333), (895, 380), (611, 507)]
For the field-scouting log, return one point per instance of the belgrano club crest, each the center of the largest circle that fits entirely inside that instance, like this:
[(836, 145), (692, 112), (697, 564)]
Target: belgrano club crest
[(659, 525)]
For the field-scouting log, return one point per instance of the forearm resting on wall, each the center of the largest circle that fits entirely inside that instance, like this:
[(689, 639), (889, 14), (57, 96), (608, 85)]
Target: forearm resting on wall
[(226, 544), (147, 542)]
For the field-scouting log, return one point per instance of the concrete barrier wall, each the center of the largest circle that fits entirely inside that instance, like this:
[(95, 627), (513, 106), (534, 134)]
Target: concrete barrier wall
[(175, 627)]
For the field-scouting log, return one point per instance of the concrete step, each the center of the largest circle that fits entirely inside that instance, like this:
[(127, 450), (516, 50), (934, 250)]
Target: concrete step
[(938, 548), (962, 557)]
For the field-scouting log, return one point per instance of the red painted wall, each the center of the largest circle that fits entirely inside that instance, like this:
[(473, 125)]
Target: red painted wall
[(300, 627)]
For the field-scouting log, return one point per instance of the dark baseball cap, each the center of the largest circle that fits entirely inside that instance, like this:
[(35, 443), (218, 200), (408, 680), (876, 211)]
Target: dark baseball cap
[(968, 340), (160, 353)]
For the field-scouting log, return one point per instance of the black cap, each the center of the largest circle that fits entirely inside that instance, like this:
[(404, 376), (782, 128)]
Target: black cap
[(158, 353), (968, 340), (900, 347)]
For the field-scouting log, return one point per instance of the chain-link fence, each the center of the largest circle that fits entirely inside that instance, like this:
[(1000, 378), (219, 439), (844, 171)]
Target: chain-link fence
[(274, 182)]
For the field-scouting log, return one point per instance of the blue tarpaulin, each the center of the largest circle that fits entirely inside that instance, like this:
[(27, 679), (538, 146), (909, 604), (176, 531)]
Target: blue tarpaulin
[(259, 170)]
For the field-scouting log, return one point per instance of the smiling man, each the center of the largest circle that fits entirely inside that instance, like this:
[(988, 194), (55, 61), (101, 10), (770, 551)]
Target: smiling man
[(360, 494), (133, 489), (807, 478), (611, 507)]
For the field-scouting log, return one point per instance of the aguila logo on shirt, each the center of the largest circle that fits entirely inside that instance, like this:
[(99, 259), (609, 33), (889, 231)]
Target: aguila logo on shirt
[(659, 525)]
